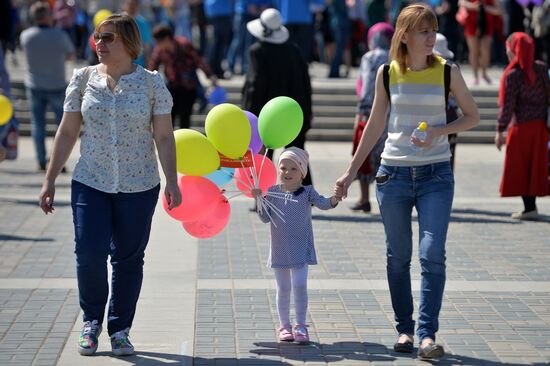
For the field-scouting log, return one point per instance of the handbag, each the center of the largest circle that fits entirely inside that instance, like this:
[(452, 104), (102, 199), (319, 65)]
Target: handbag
[(461, 15)]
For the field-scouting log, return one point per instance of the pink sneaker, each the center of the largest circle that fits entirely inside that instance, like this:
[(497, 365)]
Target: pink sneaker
[(301, 335), (285, 333)]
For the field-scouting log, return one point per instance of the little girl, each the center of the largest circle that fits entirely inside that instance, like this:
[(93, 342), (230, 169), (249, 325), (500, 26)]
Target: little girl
[(292, 247)]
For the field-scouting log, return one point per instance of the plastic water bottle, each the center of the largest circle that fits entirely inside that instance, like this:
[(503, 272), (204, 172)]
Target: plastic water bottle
[(419, 133)]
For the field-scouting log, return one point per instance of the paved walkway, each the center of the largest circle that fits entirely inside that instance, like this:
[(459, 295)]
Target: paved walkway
[(211, 302)]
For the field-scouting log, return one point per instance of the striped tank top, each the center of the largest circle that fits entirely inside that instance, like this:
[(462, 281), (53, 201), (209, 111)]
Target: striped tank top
[(416, 96)]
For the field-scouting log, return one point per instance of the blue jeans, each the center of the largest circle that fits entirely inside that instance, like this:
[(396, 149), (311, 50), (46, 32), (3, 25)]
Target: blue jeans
[(242, 39), (430, 189), (39, 100), (220, 43), (116, 225), (341, 32)]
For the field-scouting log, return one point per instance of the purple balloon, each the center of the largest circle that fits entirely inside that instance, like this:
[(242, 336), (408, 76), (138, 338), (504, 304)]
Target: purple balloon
[(525, 3), (255, 140)]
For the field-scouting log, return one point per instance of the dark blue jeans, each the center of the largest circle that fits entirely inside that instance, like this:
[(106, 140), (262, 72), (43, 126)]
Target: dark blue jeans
[(220, 43), (39, 100), (429, 188), (116, 225), (242, 39)]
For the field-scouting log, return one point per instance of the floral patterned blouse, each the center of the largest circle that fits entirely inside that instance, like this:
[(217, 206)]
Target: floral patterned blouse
[(117, 152)]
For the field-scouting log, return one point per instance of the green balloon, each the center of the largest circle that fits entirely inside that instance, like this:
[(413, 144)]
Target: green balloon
[(279, 122)]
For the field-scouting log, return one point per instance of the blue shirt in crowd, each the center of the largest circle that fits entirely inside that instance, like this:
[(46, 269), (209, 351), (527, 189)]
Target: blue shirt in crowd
[(217, 8), (297, 11)]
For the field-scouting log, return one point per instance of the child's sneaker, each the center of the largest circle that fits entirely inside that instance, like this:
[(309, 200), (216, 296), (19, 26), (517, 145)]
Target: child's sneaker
[(300, 334), (285, 333), (120, 343), (88, 339)]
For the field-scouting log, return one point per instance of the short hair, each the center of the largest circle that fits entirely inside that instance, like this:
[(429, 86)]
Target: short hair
[(39, 11), (127, 29), (162, 31), (411, 18)]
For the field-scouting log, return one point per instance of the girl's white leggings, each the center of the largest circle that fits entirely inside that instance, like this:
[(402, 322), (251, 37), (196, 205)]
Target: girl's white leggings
[(287, 279)]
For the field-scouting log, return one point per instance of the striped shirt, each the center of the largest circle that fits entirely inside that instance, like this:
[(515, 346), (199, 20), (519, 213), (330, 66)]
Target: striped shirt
[(416, 96)]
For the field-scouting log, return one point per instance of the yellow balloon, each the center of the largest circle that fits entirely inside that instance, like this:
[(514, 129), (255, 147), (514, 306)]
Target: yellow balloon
[(101, 15), (195, 155), (6, 110), (228, 129)]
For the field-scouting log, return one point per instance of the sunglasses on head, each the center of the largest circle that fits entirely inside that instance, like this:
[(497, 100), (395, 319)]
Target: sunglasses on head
[(105, 37)]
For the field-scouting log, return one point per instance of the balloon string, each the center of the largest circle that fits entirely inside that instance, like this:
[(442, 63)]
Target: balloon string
[(243, 182), (262, 165), (285, 197), (251, 184), (254, 171), (264, 202), (237, 195), (273, 206), (274, 210)]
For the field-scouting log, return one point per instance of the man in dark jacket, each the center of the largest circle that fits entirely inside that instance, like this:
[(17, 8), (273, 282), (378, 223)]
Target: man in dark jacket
[(276, 68)]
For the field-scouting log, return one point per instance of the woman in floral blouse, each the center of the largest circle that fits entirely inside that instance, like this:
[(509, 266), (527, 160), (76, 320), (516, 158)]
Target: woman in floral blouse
[(125, 111)]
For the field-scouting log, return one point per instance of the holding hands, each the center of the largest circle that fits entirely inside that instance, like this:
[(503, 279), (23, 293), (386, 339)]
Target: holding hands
[(342, 185)]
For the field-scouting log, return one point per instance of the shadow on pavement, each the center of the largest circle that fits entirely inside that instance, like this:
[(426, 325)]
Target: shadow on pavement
[(335, 352), (473, 211), (33, 202), (4, 237), (22, 172), (362, 351), (350, 218), (475, 218), (163, 359), (35, 186)]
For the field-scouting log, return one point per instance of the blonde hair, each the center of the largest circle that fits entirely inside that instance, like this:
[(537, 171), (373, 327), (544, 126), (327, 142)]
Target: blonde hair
[(411, 18), (126, 28)]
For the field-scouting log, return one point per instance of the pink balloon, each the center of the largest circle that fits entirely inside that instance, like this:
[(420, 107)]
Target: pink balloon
[(358, 87), (255, 140), (213, 223), (267, 177), (199, 197)]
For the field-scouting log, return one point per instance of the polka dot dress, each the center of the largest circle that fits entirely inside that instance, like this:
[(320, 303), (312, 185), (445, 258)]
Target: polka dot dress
[(292, 239)]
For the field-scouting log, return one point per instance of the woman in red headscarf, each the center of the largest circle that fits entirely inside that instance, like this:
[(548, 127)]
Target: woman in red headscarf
[(523, 100)]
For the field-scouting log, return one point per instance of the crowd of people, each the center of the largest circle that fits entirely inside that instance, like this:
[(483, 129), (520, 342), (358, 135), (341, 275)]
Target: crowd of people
[(130, 109)]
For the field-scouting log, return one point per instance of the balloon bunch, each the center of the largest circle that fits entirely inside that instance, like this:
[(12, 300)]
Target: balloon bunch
[(229, 153)]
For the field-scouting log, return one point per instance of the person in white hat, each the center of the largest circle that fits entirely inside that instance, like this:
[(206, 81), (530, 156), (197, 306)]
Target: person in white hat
[(288, 207), (268, 27), (441, 47), (276, 68)]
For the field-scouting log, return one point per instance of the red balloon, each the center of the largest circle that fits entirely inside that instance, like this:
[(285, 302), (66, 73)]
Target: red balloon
[(199, 197), (266, 178), (211, 224)]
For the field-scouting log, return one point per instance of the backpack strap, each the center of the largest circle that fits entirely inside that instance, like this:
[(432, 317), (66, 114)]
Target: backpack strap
[(447, 81), (386, 79)]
